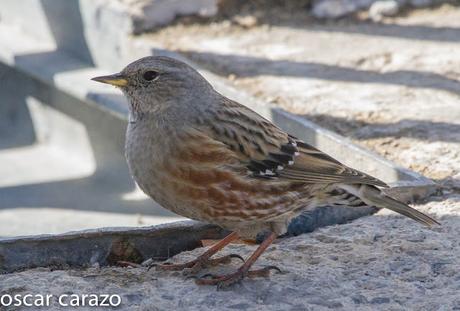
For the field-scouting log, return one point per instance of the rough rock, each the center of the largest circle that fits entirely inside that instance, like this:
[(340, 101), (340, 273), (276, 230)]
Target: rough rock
[(149, 14), (381, 262)]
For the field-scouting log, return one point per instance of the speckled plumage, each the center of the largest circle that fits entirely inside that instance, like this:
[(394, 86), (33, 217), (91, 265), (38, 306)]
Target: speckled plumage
[(206, 157)]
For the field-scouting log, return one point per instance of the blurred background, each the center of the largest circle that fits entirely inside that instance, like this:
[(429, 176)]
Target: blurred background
[(385, 74)]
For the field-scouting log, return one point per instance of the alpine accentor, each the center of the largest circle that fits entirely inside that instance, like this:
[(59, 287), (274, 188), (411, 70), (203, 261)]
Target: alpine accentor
[(206, 157)]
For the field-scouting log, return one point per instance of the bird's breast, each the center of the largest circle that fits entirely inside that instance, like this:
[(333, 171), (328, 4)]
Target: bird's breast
[(145, 149)]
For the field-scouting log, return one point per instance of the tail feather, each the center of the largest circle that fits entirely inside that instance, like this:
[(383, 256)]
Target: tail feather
[(374, 197)]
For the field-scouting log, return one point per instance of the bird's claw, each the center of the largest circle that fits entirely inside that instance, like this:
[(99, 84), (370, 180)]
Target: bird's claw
[(153, 265), (223, 281), (208, 275), (201, 264), (196, 265), (264, 272), (236, 256)]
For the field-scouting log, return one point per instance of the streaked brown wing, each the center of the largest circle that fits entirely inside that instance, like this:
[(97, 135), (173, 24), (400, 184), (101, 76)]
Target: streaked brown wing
[(269, 152), (205, 173)]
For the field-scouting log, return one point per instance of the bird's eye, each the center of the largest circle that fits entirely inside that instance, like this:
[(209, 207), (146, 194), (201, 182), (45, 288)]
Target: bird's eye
[(150, 75)]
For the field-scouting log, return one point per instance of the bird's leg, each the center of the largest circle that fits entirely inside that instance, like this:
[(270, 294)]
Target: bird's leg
[(223, 281), (204, 260)]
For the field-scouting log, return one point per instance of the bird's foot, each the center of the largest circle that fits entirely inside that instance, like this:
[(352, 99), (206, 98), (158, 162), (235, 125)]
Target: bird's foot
[(224, 281), (194, 266)]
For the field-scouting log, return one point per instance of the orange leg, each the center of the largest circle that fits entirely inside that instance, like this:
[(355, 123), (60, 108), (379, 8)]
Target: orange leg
[(229, 279), (204, 260)]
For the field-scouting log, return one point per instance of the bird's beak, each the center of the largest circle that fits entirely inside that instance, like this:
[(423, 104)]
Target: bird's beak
[(116, 79)]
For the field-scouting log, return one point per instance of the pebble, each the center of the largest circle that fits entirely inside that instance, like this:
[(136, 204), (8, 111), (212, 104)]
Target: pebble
[(339, 8), (380, 300), (246, 21), (382, 8), (377, 8), (333, 8), (421, 3), (359, 299)]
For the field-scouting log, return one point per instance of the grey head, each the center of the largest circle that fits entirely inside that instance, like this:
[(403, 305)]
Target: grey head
[(155, 83)]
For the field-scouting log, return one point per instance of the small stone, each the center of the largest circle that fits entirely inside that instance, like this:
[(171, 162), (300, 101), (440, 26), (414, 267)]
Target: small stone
[(382, 8), (421, 3), (359, 299), (95, 265), (331, 8), (418, 237), (134, 298), (362, 241), (314, 260), (239, 306), (332, 304), (154, 13), (167, 297), (333, 257), (380, 300), (147, 262), (298, 308), (338, 8), (246, 21), (439, 266)]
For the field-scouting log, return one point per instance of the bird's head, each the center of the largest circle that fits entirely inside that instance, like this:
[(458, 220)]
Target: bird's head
[(155, 82)]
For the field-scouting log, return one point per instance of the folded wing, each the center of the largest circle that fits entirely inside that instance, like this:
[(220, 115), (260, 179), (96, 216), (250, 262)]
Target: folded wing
[(269, 152)]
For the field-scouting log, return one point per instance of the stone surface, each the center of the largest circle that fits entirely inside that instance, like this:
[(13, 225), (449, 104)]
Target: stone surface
[(381, 262)]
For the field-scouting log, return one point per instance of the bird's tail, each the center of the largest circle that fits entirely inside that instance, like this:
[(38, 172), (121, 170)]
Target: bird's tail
[(373, 196)]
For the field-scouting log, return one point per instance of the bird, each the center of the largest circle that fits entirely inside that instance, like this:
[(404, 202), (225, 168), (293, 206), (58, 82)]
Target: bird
[(209, 158)]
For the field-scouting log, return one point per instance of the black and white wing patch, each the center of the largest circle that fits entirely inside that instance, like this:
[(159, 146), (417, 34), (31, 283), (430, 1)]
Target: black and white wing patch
[(275, 162), (301, 162)]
